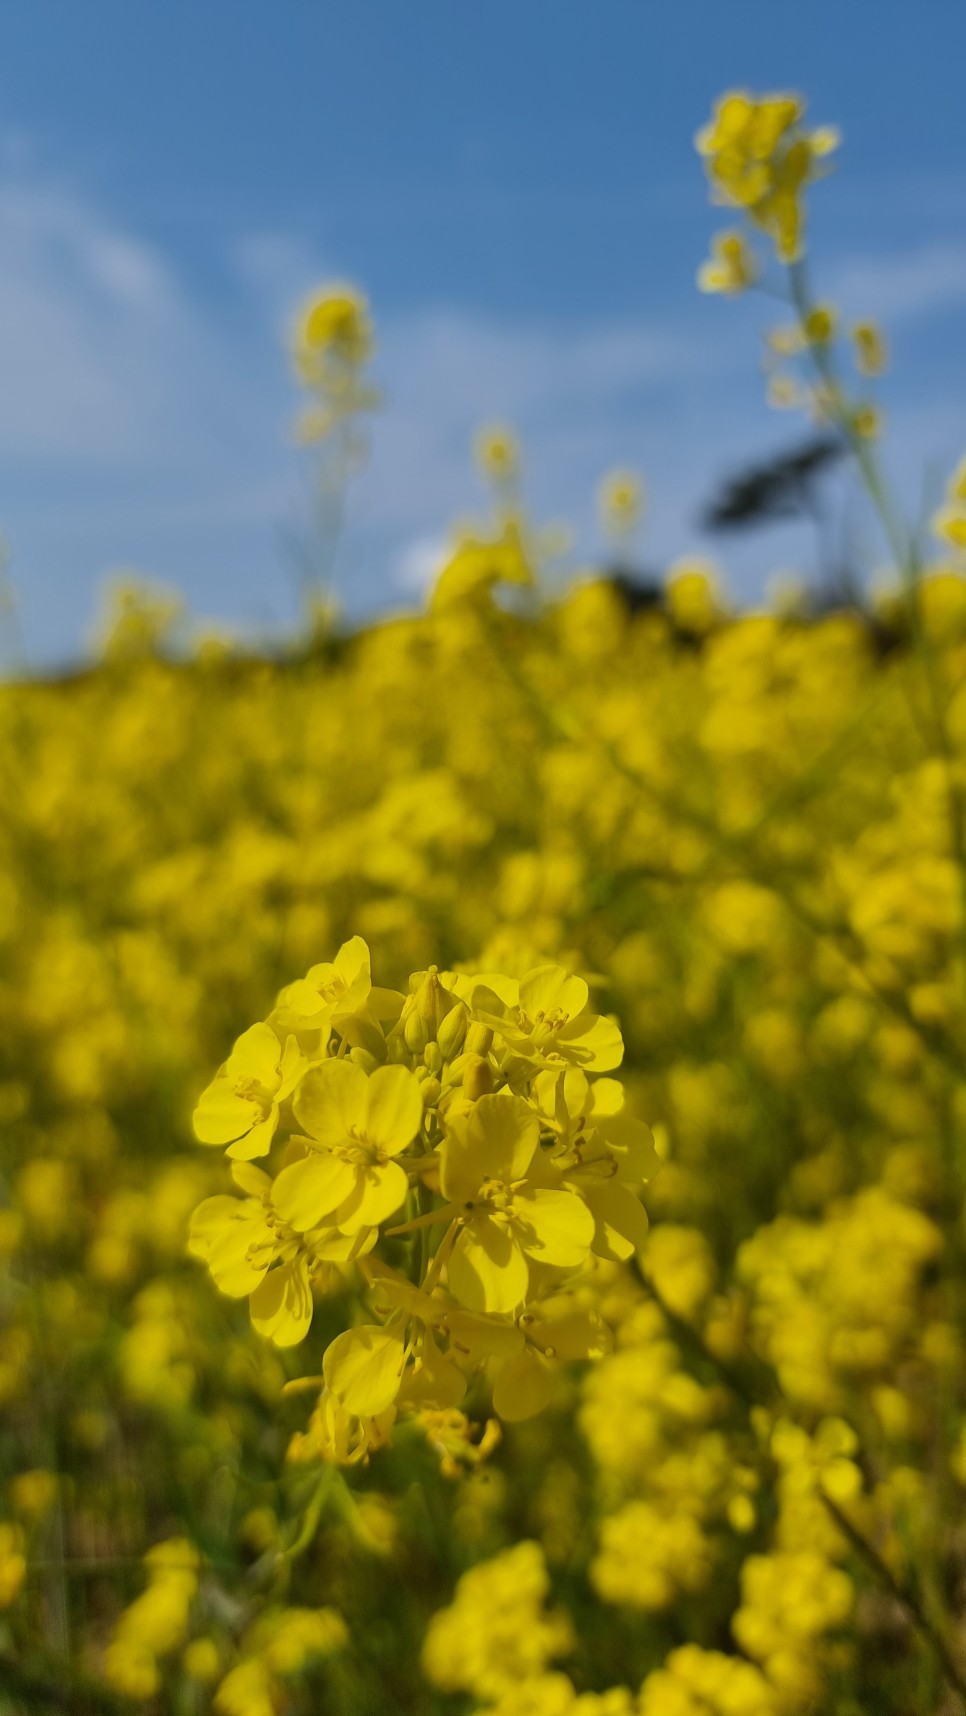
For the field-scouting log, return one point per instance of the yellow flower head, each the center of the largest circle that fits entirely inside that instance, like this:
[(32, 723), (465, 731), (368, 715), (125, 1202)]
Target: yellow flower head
[(731, 267), (820, 324), (335, 322), (525, 1163), (355, 1125), (758, 158), (478, 566), (506, 1217)]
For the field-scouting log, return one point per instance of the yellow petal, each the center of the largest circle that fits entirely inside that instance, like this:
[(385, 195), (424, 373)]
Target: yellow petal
[(395, 1109), (290, 1069), (632, 1144), (331, 1246), (550, 987), (208, 1222), (501, 1134), (301, 1007), (553, 1227), (379, 1190), (241, 1253), (332, 1100), (487, 1270), (353, 960), (252, 1180), (563, 1329), (258, 1141), (523, 1388), (309, 1189), (281, 1306), (221, 1116), (950, 523), (620, 1219), (363, 1367), (607, 1095), (477, 1337), (256, 1055), (593, 1042)]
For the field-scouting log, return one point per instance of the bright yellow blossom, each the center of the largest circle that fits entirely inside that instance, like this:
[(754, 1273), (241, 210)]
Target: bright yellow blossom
[(731, 267), (240, 1107), (354, 1126), (760, 159), (507, 1219)]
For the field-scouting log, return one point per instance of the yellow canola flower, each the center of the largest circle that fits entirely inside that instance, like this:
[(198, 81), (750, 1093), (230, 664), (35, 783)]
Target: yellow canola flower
[(277, 1650), (335, 321), (789, 1601), (698, 1682), (820, 324), (240, 1107), (508, 1220), (551, 1021), (154, 1625), (497, 1631), (600, 1152), (478, 566), (731, 267), (760, 159), (354, 1126), (474, 1100), (329, 993)]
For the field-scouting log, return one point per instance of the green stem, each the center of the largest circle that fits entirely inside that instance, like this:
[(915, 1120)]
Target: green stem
[(313, 1513)]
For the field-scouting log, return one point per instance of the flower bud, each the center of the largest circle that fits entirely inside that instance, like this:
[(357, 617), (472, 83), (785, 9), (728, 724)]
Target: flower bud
[(432, 1002), (452, 1031), (479, 1039), (432, 1057), (364, 1059), (397, 1052), (477, 1077), (430, 1090), (415, 1032)]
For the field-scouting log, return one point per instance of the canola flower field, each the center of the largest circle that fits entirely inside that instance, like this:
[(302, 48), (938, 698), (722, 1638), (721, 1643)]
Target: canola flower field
[(484, 1170)]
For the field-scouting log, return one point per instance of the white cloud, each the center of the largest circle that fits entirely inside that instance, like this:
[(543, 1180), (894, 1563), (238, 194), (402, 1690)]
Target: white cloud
[(106, 360), (145, 426), (419, 564), (903, 287)]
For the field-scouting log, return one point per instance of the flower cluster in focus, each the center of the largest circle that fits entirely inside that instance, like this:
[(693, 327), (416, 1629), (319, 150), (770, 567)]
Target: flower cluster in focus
[(457, 1148)]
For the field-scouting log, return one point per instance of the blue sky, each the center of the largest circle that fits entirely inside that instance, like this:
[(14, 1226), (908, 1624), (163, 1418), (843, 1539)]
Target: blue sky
[(514, 185)]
